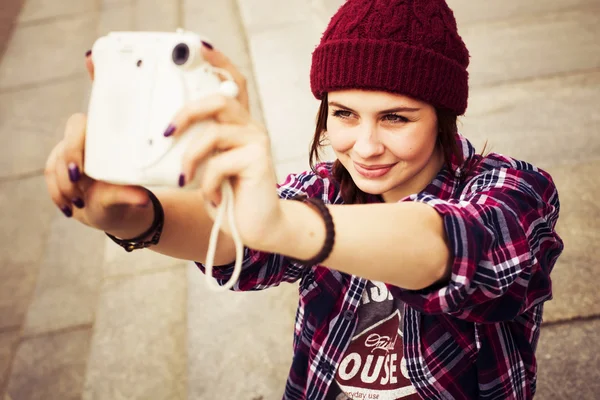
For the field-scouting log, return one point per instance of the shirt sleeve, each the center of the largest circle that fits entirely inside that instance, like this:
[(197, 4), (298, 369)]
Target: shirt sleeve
[(501, 233), (262, 270)]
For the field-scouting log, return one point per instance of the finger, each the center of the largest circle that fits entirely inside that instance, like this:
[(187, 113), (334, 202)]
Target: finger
[(89, 64), (62, 198), (74, 144), (224, 166), (66, 183), (56, 195), (217, 59), (57, 198), (216, 138), (51, 161), (108, 195), (84, 183), (217, 106)]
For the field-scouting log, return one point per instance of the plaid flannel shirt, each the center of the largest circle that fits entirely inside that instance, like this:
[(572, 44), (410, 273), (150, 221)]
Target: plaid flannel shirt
[(475, 336)]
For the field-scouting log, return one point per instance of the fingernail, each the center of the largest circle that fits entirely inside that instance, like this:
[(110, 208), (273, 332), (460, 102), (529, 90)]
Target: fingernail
[(78, 202), (181, 180), (88, 53), (170, 130), (207, 45), (74, 173), (67, 211)]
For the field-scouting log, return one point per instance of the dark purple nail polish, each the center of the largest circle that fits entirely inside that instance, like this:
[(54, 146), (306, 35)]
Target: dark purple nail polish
[(170, 130), (88, 53), (78, 202), (181, 180), (67, 211), (207, 45), (74, 174)]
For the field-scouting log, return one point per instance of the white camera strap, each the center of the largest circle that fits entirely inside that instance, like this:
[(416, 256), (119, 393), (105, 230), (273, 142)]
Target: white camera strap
[(226, 207)]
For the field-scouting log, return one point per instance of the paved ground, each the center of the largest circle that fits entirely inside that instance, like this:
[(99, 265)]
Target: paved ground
[(79, 318)]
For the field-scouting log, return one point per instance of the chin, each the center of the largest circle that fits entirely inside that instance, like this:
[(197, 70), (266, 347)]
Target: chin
[(372, 186), (374, 189)]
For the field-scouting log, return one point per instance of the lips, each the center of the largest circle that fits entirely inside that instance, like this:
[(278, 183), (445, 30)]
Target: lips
[(373, 171)]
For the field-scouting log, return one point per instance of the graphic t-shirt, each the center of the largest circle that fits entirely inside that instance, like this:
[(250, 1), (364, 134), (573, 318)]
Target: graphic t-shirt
[(373, 366)]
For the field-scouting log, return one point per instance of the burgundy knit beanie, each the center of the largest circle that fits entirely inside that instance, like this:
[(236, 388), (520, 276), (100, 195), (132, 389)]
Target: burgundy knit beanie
[(409, 47)]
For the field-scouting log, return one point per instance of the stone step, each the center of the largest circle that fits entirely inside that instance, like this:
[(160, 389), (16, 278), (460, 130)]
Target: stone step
[(50, 366), (97, 320), (567, 355), (138, 349), (54, 51), (483, 12), (525, 49)]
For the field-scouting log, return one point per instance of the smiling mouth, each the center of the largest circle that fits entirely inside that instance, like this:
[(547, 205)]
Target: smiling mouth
[(374, 167), (373, 171)]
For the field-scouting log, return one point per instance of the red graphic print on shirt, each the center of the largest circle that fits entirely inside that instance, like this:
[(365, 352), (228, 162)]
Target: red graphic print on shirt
[(373, 366)]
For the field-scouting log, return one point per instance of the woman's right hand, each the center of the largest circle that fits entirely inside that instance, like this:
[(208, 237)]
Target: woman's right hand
[(124, 211), (112, 208), (120, 210)]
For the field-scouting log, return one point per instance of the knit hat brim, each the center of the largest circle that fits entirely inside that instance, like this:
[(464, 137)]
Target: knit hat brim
[(391, 67)]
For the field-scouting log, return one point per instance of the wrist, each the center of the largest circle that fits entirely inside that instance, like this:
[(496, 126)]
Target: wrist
[(148, 238), (300, 233), (274, 233), (136, 221)]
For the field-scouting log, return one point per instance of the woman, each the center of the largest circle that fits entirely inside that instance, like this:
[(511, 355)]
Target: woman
[(431, 285)]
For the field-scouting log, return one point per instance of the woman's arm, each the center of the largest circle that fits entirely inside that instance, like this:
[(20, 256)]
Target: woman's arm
[(402, 244), (186, 228), (492, 264)]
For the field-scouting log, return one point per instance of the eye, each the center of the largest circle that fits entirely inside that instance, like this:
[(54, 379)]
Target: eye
[(342, 114), (395, 118)]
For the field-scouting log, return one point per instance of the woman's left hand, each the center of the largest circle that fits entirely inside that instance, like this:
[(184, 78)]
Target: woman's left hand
[(237, 148)]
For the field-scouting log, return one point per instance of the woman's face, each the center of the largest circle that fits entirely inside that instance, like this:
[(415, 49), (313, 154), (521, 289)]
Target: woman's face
[(387, 142)]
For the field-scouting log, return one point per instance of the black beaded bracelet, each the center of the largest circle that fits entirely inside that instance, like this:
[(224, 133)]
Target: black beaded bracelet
[(155, 229), (329, 231)]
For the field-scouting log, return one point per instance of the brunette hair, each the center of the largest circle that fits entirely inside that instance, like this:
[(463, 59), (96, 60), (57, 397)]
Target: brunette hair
[(351, 194)]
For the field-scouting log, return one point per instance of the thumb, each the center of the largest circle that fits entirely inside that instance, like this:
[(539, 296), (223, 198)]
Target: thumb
[(113, 195)]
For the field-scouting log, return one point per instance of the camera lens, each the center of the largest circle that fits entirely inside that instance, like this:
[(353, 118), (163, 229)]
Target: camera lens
[(181, 53)]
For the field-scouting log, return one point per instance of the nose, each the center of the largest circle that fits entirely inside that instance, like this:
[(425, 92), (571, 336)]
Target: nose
[(367, 144)]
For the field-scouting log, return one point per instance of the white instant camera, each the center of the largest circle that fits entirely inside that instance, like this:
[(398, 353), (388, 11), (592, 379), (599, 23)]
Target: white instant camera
[(141, 80)]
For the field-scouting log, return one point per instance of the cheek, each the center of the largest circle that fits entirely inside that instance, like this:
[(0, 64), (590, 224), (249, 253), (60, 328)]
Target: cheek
[(340, 139), (411, 147)]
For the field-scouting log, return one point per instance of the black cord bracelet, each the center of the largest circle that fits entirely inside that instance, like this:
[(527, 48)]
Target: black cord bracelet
[(155, 229), (329, 231)]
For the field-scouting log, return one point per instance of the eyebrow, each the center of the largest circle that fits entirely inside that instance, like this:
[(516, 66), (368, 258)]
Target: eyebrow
[(391, 110)]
